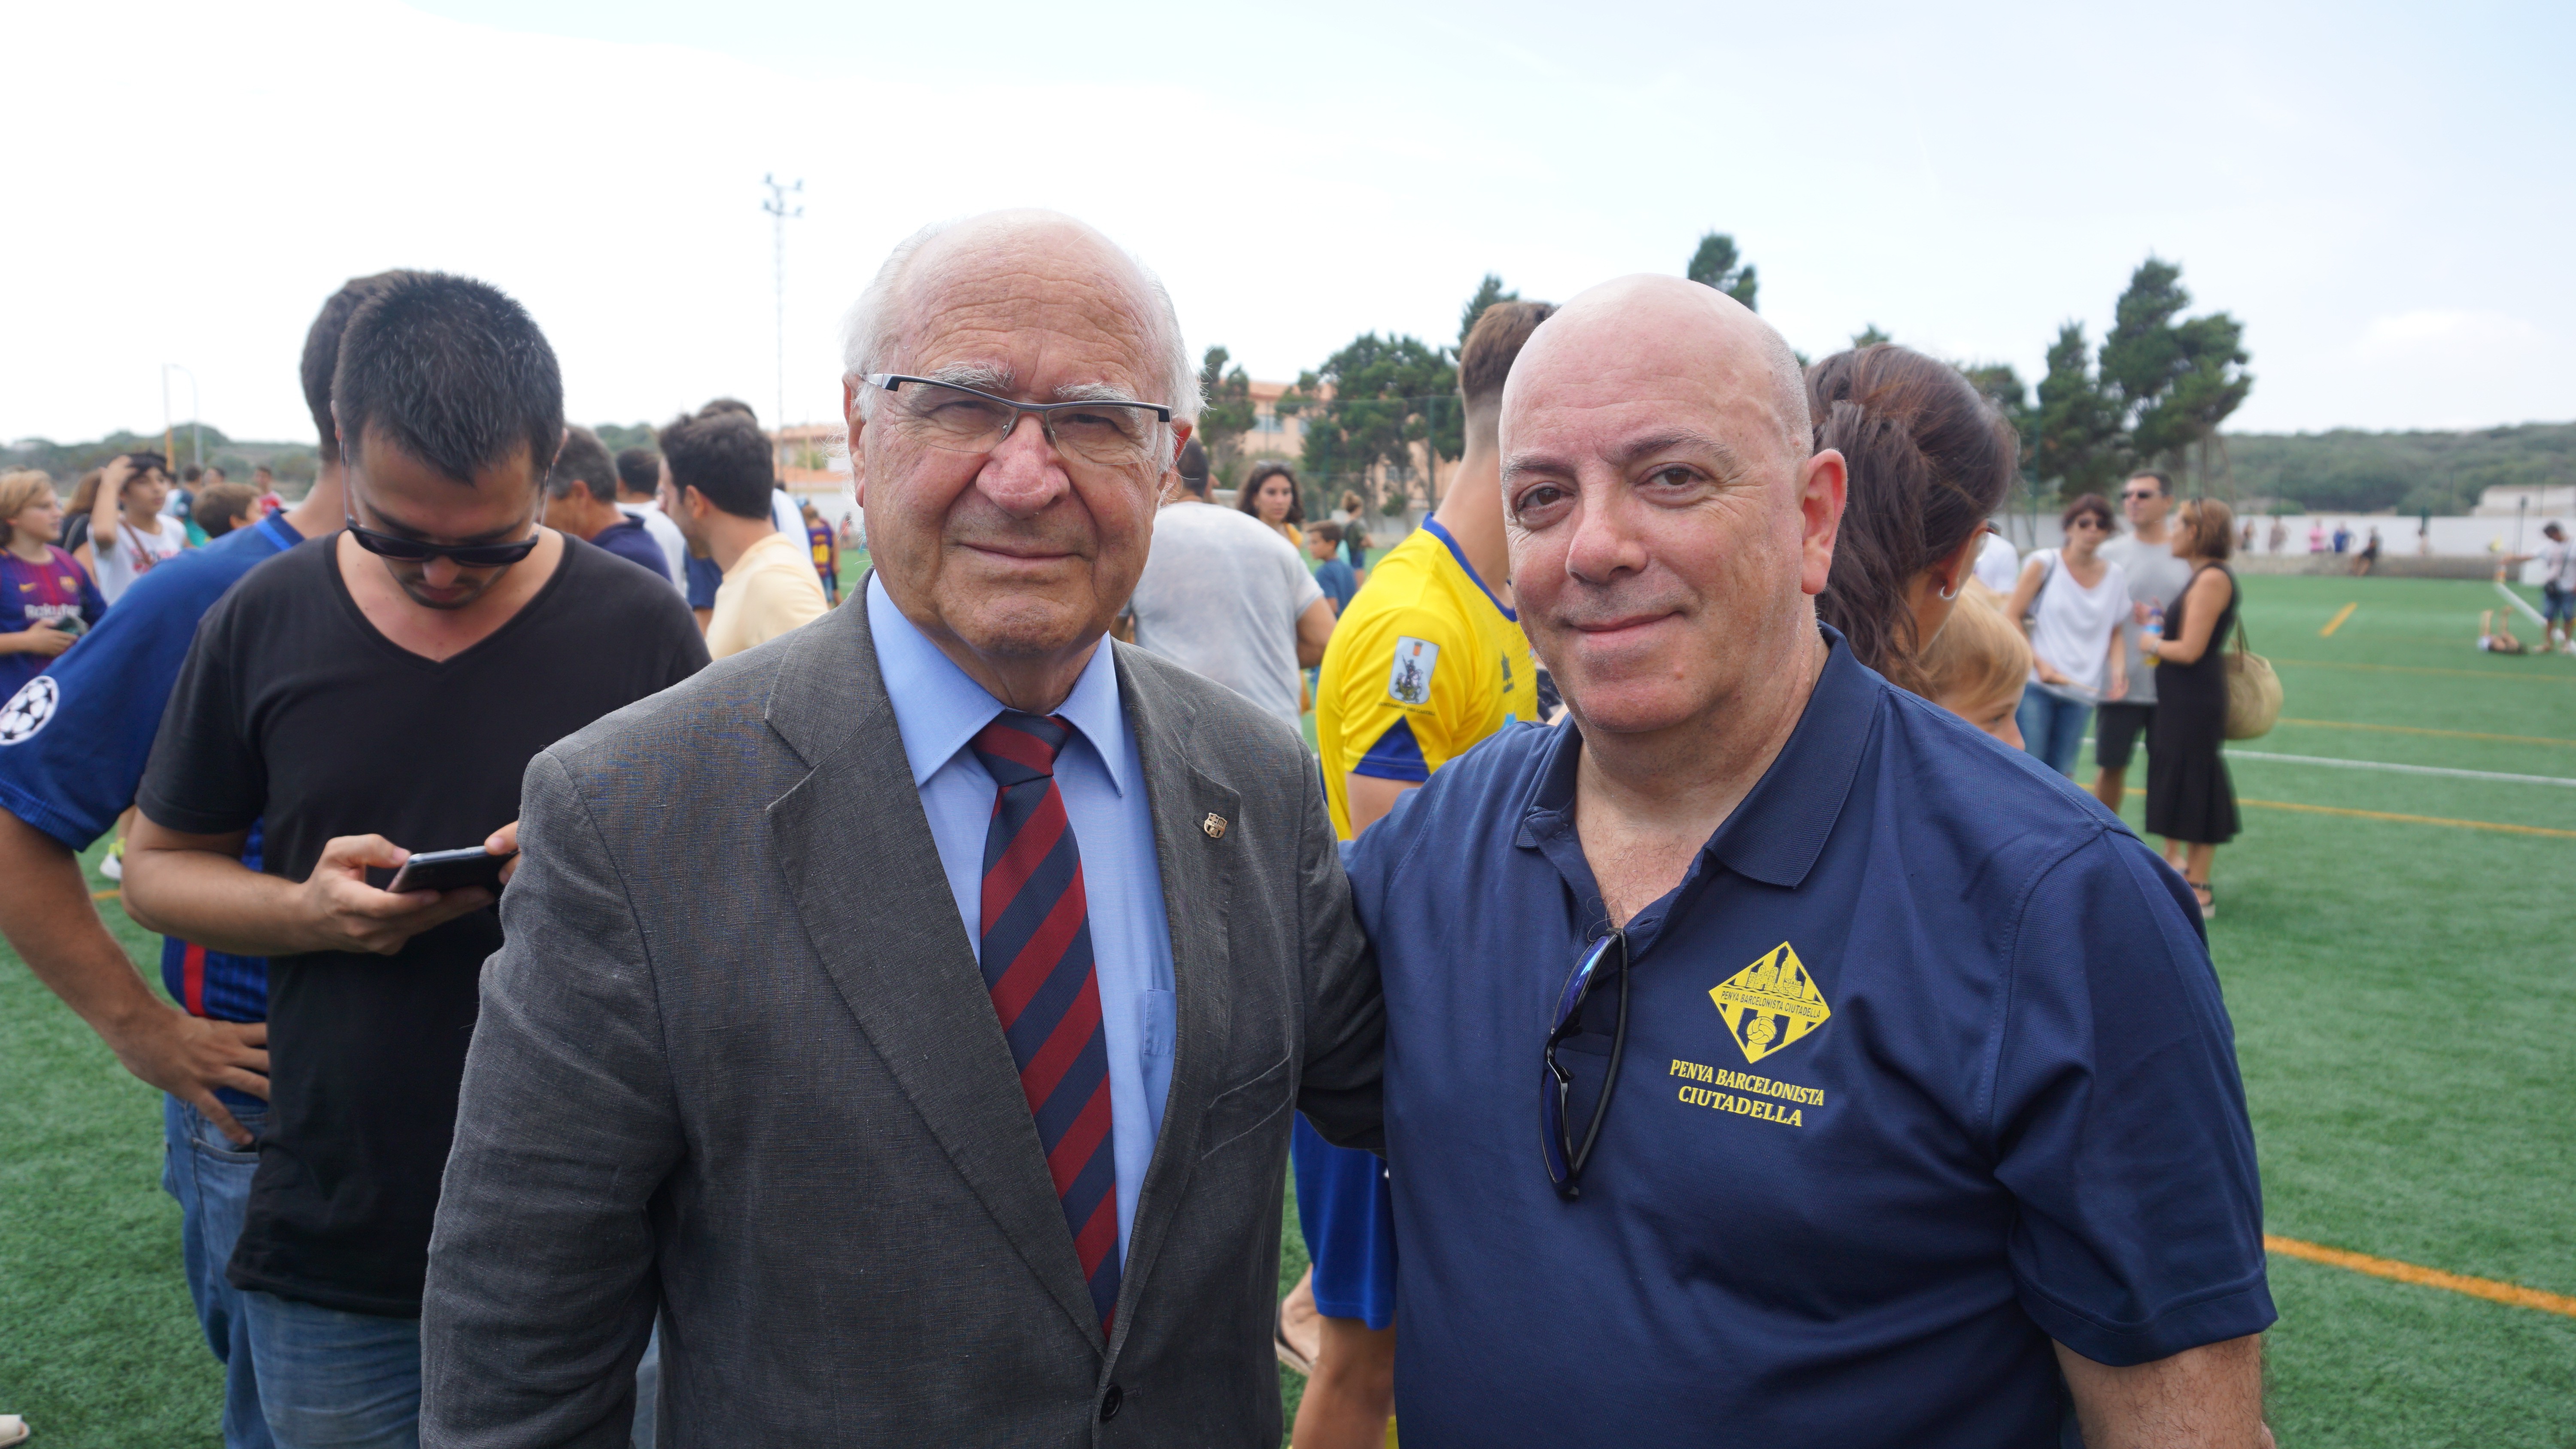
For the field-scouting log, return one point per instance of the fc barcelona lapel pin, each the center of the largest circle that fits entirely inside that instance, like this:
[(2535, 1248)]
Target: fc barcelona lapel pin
[(1214, 825)]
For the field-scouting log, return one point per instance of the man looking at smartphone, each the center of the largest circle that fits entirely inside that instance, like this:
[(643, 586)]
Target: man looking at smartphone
[(73, 743), (376, 690)]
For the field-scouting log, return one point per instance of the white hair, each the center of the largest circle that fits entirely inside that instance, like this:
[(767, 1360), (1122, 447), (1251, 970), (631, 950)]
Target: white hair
[(873, 327)]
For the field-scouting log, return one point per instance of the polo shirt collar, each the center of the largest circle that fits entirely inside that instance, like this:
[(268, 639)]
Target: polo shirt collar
[(939, 708), (1781, 826)]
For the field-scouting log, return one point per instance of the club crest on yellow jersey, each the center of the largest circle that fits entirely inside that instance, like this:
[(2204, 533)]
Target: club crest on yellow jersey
[(1770, 1003), (1408, 679)]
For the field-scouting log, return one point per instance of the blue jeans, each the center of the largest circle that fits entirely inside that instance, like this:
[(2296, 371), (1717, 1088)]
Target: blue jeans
[(648, 1392), (352, 1380), (2052, 727), (211, 1179), (332, 1379)]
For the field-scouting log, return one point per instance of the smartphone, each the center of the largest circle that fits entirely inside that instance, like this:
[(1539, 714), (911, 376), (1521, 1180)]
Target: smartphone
[(447, 870)]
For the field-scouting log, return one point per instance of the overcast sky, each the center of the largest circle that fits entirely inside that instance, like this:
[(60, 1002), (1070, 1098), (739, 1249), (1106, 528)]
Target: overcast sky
[(2380, 194)]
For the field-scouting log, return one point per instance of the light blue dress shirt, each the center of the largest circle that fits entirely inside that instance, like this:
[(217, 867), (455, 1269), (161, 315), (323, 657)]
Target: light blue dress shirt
[(938, 709)]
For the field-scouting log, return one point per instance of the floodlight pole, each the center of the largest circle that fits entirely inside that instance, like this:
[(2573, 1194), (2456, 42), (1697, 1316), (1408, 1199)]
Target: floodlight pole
[(779, 216), (196, 412)]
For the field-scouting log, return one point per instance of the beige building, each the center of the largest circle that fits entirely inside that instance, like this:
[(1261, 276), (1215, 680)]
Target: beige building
[(1274, 436), (2533, 500), (812, 457)]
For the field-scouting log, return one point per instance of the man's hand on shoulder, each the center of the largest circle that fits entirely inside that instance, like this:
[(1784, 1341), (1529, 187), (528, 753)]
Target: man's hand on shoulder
[(2209, 1397)]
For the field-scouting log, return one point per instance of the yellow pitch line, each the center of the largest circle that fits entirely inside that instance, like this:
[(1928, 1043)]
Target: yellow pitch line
[(2487, 1288), (2333, 724), (105, 895), (2414, 819), (2337, 621), (2424, 669)]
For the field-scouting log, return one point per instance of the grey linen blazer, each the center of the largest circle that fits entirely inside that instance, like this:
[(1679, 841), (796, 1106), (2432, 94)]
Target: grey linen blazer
[(736, 1063)]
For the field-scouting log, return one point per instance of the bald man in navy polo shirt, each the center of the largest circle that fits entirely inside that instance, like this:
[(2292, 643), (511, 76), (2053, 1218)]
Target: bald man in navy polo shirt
[(1772, 1058)]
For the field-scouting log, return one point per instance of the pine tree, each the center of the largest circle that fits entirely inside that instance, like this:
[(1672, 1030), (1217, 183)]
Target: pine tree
[(1716, 264), (2076, 437), (1488, 292)]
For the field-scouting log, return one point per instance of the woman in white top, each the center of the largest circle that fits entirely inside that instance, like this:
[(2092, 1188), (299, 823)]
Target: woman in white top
[(128, 533), (2073, 601)]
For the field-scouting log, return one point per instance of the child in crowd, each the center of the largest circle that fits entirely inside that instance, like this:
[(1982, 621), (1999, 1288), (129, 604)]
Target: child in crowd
[(1333, 573), (223, 507), (1976, 666), (46, 598)]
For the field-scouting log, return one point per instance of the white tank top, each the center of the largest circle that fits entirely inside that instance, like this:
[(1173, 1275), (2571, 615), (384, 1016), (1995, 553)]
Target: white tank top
[(2071, 625)]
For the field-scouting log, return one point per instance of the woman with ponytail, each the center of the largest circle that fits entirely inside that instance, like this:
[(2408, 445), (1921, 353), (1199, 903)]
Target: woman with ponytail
[(1928, 458)]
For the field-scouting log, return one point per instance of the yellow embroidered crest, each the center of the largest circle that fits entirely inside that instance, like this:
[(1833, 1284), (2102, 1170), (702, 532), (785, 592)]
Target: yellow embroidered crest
[(1770, 1004)]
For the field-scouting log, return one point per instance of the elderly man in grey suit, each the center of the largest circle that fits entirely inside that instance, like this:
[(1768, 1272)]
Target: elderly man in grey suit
[(909, 1011)]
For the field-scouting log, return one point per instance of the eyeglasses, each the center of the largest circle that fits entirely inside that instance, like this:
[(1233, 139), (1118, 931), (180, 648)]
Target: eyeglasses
[(2134, 493), (1558, 1106), (464, 555), (962, 420)]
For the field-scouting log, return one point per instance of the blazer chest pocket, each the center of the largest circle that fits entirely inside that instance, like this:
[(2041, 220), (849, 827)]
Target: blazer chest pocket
[(1242, 1110)]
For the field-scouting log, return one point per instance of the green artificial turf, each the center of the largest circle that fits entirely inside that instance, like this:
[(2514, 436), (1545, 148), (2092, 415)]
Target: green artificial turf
[(2404, 1006), (98, 1343), (2404, 998)]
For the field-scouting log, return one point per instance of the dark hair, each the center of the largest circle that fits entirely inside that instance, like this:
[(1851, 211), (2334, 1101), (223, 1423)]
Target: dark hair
[(723, 405), (191, 473), (216, 471), (1193, 467), (222, 507), (2164, 481), (1485, 358), (322, 353), (584, 460), (1929, 458), (453, 373), (723, 455), (2211, 527), (1248, 496), (640, 469), (2093, 503), (1327, 530), (147, 463)]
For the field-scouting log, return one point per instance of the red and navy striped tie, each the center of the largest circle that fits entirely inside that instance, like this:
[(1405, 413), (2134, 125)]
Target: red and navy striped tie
[(1037, 962)]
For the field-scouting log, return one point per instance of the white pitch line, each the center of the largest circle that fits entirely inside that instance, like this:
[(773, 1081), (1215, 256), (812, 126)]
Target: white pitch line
[(2519, 602), (2236, 754)]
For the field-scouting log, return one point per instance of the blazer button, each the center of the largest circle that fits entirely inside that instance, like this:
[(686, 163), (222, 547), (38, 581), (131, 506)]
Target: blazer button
[(1110, 1401)]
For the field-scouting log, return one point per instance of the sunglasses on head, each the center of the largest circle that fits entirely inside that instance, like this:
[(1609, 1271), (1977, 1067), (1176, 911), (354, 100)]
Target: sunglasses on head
[(463, 555)]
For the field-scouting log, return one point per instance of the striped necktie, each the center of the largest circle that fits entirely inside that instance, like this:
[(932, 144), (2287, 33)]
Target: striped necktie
[(1036, 953)]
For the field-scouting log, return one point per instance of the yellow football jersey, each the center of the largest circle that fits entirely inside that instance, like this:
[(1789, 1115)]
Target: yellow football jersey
[(1426, 663)]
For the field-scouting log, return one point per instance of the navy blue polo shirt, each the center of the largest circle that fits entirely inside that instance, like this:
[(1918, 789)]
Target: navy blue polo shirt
[(1926, 1067)]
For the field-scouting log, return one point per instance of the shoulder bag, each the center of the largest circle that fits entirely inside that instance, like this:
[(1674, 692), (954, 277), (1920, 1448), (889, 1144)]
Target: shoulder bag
[(2253, 690)]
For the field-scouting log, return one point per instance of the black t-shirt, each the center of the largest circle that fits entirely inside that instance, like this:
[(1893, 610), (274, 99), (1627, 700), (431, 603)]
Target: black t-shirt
[(292, 708)]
